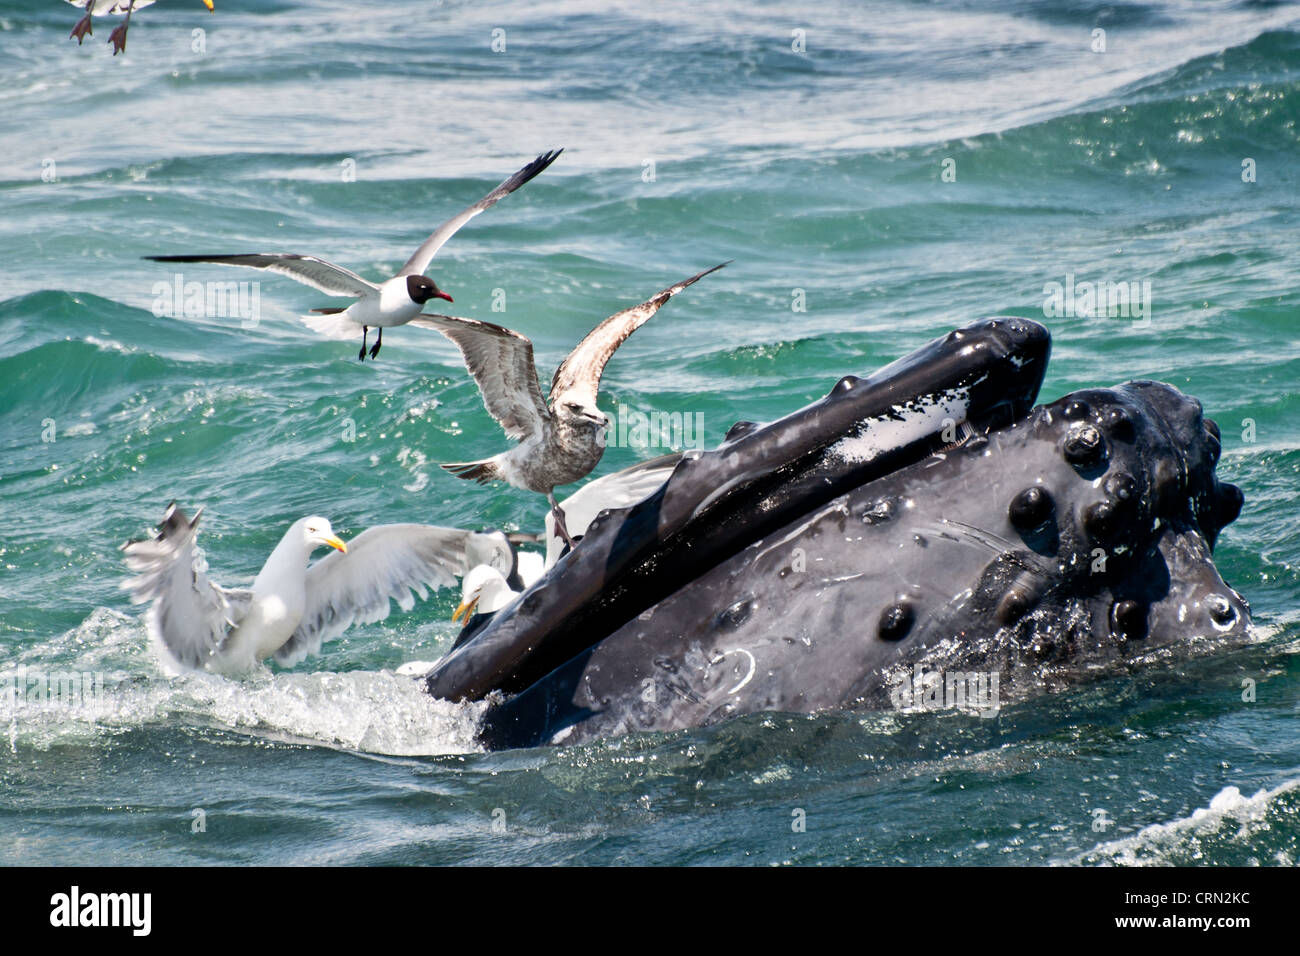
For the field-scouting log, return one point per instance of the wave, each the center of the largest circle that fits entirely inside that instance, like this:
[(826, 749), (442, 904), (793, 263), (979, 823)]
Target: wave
[(1234, 830)]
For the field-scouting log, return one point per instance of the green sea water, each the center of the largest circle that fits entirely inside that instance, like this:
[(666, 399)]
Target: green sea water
[(912, 167)]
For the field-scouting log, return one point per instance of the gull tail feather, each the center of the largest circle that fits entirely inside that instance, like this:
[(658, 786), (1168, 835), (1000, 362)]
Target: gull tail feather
[(331, 324), (480, 471)]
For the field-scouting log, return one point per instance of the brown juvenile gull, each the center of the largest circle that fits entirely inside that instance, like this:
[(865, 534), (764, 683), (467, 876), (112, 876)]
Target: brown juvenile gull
[(392, 302), (291, 609), (99, 8), (560, 439)]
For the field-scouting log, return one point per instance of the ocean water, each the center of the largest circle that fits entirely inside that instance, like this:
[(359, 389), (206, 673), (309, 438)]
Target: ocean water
[(913, 167)]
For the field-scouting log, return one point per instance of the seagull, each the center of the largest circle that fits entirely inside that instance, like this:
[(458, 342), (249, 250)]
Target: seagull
[(394, 301), (116, 8), (498, 573), (562, 440), (622, 489), (291, 609), (485, 589)]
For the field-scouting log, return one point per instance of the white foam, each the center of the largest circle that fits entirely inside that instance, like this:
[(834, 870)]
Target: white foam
[(1153, 845), (124, 687)]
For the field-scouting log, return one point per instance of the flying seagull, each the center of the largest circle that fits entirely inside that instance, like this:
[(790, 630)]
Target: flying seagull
[(394, 301), (560, 439), (291, 609), (115, 7)]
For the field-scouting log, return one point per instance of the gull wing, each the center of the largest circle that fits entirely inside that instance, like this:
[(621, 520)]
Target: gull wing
[(384, 563), (191, 614), (320, 275), (501, 362), (581, 371), (429, 248)]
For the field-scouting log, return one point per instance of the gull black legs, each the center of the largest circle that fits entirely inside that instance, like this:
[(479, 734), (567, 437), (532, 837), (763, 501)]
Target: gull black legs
[(365, 331)]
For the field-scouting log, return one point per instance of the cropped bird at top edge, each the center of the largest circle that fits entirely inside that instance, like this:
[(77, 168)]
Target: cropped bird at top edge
[(100, 8), (395, 301)]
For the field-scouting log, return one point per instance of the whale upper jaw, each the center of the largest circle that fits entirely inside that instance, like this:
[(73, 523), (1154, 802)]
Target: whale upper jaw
[(809, 562)]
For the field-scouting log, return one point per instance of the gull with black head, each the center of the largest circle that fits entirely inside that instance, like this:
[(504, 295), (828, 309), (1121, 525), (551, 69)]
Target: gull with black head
[(395, 301)]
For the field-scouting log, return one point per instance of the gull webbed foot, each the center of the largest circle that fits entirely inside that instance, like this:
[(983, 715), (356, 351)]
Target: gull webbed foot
[(82, 29), (118, 39)]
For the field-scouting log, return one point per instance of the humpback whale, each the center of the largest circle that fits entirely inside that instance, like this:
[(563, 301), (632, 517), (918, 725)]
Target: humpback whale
[(926, 517)]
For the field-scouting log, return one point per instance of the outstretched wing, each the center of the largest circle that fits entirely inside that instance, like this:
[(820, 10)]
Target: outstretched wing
[(384, 563), (429, 248), (191, 615), (501, 362), (581, 371), (320, 275)]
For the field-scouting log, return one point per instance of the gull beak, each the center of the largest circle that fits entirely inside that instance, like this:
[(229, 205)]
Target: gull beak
[(208, 4), (336, 543), (442, 295), (466, 608)]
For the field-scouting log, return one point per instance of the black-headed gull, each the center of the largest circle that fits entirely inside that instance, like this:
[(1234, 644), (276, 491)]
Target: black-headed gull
[(394, 301)]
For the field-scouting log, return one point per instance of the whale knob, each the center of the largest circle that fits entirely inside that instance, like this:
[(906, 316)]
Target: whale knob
[(1122, 487), (1099, 520), (1030, 508), (1119, 423), (1084, 445), (1221, 612), (895, 621), (1013, 606), (1128, 620)]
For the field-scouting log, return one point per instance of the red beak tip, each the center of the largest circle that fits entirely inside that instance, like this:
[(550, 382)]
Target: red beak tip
[(444, 295)]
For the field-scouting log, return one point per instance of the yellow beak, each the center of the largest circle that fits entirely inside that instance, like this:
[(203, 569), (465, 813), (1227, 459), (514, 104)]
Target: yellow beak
[(208, 4), (336, 543), (466, 608)]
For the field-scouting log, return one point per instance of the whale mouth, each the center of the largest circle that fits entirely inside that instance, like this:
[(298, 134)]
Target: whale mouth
[(952, 391)]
